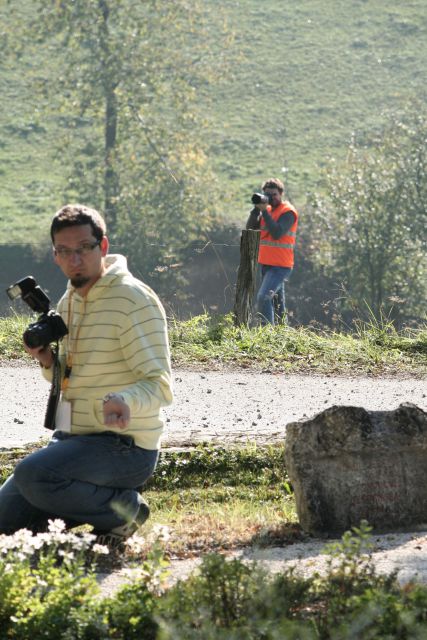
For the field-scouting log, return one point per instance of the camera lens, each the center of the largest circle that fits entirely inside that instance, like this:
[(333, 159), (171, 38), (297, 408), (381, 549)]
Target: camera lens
[(38, 334), (259, 198)]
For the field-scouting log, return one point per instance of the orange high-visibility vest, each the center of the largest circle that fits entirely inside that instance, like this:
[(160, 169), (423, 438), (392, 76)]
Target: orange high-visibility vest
[(280, 252)]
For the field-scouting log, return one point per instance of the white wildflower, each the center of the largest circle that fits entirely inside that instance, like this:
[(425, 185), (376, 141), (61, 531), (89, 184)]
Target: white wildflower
[(67, 555), (56, 526), (161, 533), (136, 544), (135, 574), (101, 549)]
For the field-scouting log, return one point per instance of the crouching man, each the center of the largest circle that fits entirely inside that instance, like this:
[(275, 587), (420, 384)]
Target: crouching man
[(115, 370)]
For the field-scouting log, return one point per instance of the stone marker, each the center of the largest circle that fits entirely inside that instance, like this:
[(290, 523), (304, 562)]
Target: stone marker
[(347, 464)]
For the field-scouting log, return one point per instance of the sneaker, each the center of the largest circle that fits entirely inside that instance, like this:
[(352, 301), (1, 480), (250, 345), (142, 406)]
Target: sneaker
[(117, 536)]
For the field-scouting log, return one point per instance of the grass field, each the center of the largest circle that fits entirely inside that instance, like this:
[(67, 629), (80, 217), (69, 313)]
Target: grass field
[(303, 76), (312, 73)]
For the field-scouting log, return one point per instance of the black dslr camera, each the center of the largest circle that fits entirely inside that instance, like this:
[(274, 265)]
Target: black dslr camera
[(261, 198), (49, 327)]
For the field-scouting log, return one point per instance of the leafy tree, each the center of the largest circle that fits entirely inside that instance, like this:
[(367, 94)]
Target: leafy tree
[(125, 90), (371, 227)]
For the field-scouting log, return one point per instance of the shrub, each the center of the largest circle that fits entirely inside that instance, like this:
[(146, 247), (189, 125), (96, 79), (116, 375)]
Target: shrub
[(46, 587), (233, 599)]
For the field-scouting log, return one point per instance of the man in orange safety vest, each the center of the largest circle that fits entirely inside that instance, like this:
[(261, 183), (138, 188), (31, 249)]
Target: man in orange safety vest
[(277, 220)]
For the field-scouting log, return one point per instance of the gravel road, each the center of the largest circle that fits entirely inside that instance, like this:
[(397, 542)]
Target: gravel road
[(403, 553), (226, 407), (232, 406)]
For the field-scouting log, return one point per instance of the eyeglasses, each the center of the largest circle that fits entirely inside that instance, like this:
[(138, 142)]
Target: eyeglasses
[(82, 251)]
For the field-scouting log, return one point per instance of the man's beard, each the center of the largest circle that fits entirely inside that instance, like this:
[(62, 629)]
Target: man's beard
[(79, 281)]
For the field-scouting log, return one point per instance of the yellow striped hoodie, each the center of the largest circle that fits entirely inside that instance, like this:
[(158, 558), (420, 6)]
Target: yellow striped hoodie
[(118, 341)]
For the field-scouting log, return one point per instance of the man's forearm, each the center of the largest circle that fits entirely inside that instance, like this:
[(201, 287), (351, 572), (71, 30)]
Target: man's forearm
[(281, 227)]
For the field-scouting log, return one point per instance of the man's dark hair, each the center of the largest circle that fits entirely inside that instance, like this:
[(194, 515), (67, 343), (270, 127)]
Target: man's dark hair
[(274, 183), (73, 215)]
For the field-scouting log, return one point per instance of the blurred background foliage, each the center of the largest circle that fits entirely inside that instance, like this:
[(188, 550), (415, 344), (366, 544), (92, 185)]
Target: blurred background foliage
[(167, 116)]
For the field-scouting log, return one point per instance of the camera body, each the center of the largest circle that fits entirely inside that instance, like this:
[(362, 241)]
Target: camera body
[(260, 198), (49, 327)]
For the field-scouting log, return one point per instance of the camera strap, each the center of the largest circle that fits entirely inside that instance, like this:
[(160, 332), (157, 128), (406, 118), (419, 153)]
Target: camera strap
[(59, 385), (55, 392)]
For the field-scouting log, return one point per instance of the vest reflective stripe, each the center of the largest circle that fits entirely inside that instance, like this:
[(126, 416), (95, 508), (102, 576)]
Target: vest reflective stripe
[(267, 243), (280, 252)]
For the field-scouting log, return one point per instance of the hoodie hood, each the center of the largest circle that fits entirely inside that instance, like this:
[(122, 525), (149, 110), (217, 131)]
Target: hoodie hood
[(115, 265), (116, 269)]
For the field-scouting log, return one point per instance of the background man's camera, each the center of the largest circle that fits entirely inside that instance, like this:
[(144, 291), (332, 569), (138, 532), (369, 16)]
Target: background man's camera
[(260, 198), (49, 327)]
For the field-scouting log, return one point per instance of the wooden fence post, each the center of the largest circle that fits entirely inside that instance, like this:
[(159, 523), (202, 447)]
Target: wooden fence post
[(246, 276)]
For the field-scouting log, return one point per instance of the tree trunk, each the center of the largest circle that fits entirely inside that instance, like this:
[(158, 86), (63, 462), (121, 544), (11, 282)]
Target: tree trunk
[(111, 182), (109, 82), (246, 276)]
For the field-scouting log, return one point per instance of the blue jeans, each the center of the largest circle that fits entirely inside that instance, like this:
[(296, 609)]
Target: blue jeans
[(272, 285), (91, 479)]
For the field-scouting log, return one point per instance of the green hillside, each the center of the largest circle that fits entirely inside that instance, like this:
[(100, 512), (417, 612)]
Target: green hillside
[(313, 72), (303, 76)]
